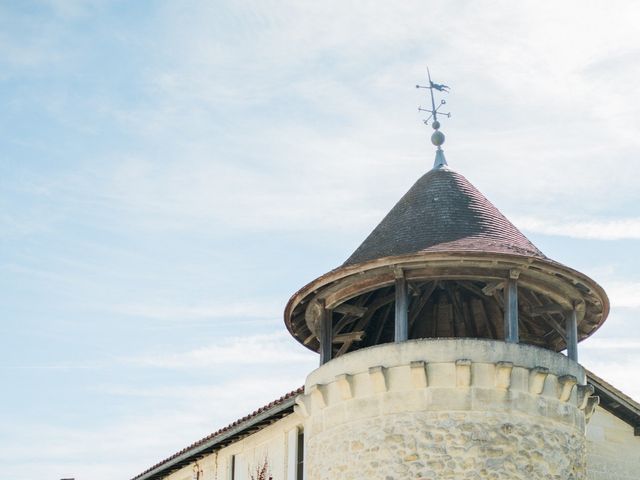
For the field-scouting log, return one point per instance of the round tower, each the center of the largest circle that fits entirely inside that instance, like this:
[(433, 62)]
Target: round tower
[(440, 343)]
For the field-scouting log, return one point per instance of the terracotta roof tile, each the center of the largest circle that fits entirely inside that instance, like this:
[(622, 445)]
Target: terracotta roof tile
[(217, 433)]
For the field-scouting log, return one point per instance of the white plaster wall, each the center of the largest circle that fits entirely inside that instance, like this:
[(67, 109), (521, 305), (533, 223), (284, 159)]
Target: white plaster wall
[(613, 452), (270, 443)]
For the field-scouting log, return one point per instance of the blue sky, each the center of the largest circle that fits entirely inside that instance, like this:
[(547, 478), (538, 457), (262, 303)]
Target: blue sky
[(171, 172)]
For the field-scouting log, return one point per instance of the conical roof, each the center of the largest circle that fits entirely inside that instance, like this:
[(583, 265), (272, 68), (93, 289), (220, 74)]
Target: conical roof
[(443, 212)]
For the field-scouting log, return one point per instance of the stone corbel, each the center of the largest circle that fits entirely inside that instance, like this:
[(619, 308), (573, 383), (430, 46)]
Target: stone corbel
[(301, 406), (377, 375), (318, 395), (344, 382), (584, 392), (503, 374), (565, 387), (463, 373), (418, 374), (592, 402), (537, 377)]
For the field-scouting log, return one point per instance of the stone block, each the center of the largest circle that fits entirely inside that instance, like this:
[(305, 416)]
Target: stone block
[(449, 399)]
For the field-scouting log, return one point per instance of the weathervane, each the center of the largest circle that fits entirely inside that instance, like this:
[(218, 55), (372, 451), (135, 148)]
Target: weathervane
[(437, 138)]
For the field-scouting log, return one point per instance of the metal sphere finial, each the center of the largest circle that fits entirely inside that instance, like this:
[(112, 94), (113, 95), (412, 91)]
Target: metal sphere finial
[(437, 138)]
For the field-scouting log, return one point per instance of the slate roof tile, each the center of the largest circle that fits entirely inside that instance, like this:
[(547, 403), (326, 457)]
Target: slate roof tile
[(443, 212)]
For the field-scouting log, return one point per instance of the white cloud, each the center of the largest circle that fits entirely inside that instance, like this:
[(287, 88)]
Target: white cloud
[(278, 116), (240, 310), (599, 229), (126, 446), (624, 294), (272, 349)]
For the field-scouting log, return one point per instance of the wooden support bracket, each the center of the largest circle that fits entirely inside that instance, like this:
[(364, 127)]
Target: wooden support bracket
[(347, 309)]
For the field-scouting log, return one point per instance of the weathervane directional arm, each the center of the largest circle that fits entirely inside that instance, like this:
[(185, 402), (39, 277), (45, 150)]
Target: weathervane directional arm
[(434, 110), (437, 138)]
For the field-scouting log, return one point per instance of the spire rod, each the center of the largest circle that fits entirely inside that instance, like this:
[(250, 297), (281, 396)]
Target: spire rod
[(437, 138)]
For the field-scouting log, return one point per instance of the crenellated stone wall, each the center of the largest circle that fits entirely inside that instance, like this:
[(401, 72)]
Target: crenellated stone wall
[(447, 409)]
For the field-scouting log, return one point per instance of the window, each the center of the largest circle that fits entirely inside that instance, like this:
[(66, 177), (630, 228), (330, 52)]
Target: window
[(300, 456), (295, 456), (233, 467)]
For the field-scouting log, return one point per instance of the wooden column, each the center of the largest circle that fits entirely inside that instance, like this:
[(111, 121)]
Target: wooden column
[(402, 308), (326, 334), (572, 334), (511, 308)]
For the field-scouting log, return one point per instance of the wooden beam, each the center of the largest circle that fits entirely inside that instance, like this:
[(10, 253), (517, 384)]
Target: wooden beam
[(342, 323), (548, 318), (348, 309), (491, 287), (384, 316), (511, 309), (571, 322), (402, 308), (421, 303), (326, 334), (348, 337), (542, 309), (366, 319), (555, 326), (458, 306)]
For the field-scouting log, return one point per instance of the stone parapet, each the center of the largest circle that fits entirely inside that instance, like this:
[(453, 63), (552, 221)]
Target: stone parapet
[(446, 408)]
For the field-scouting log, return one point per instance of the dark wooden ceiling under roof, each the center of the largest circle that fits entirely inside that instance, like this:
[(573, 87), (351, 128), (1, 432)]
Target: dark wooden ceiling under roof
[(444, 309)]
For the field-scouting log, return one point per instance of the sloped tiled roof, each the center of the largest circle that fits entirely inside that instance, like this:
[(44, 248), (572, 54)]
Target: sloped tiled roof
[(242, 426), (443, 212)]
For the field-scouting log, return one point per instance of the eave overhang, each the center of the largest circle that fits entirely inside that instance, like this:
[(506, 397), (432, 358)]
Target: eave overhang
[(565, 286)]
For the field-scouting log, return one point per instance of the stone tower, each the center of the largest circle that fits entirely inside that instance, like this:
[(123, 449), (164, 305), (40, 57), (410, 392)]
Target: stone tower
[(439, 341)]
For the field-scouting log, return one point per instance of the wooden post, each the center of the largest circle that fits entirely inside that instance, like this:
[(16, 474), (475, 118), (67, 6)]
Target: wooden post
[(402, 308), (572, 334), (511, 308), (326, 334)]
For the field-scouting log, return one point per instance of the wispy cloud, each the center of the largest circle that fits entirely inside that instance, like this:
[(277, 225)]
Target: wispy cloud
[(239, 310), (598, 229), (163, 128), (276, 348), (624, 294)]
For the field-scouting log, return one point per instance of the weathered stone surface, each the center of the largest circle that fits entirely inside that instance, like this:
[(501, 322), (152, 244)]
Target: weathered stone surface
[(499, 412), (447, 445)]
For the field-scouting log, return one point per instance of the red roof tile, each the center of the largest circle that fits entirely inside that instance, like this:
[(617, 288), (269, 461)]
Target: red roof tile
[(212, 437)]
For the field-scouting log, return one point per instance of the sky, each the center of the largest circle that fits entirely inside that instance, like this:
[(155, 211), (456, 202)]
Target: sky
[(172, 172)]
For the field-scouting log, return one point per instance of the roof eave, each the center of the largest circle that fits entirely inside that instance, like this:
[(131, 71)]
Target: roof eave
[(164, 468), (523, 261)]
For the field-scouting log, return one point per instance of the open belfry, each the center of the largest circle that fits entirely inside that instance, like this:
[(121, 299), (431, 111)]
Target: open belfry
[(440, 342)]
